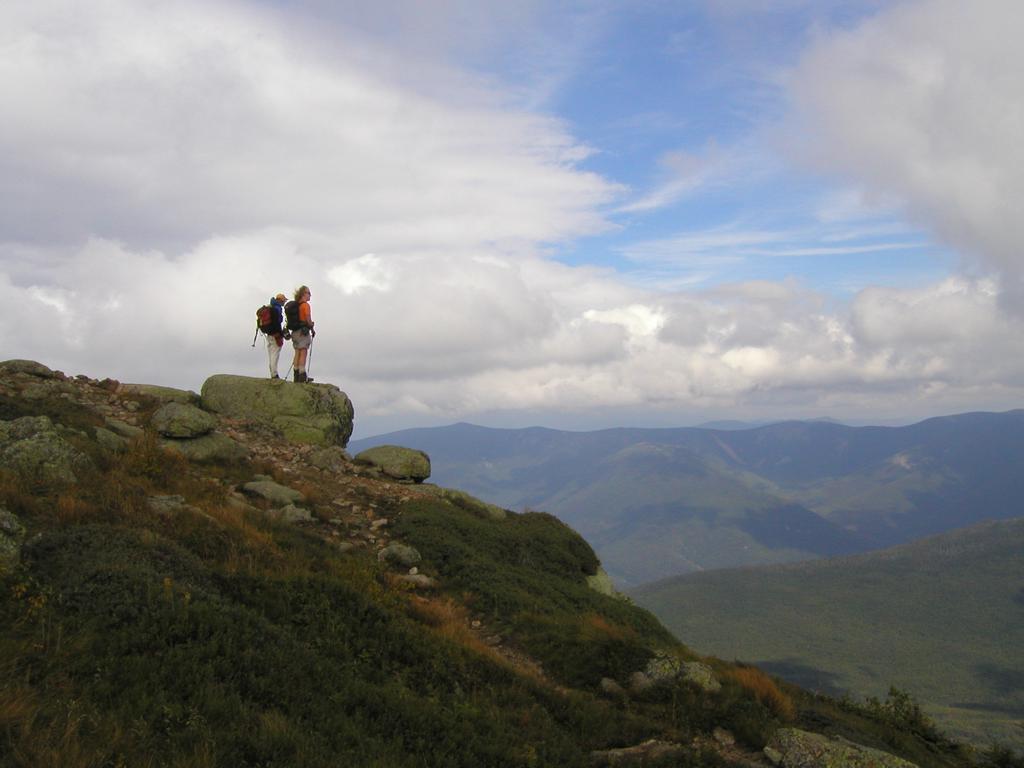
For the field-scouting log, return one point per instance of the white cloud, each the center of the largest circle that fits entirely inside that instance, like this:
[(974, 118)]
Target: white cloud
[(143, 121), (367, 272), (173, 165), (924, 103)]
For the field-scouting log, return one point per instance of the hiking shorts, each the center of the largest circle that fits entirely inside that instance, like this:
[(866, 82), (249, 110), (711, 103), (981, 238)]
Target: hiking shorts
[(301, 339)]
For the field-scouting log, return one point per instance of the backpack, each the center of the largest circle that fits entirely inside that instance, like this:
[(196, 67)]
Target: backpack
[(291, 313), (265, 319)]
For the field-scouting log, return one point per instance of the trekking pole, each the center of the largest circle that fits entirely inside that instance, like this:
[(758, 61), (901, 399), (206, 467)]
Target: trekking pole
[(254, 337), (309, 357)]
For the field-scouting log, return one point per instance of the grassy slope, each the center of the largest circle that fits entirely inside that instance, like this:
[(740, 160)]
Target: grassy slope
[(219, 637), (943, 618)]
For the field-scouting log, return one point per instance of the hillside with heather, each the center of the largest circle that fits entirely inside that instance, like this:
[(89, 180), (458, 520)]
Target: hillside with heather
[(212, 580), (942, 617), (657, 503)]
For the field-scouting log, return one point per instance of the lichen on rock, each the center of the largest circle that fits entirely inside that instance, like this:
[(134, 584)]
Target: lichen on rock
[(317, 414), (397, 462), (33, 447), (793, 748), (181, 420)]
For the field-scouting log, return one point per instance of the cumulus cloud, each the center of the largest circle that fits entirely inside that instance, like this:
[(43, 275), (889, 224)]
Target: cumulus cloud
[(924, 104), (173, 165), (144, 121)]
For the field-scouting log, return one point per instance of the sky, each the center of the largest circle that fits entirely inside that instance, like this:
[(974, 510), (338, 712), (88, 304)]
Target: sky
[(571, 214)]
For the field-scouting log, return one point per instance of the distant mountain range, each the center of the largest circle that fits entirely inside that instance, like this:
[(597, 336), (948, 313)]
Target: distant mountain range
[(942, 618), (660, 502)]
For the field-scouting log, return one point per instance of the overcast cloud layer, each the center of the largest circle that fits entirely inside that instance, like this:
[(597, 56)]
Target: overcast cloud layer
[(169, 166)]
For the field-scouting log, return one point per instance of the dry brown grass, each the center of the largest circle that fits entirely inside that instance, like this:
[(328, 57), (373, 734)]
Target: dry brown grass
[(765, 690), (597, 627), (450, 620)]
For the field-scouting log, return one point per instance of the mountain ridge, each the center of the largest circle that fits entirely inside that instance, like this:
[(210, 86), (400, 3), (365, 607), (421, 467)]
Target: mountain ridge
[(740, 492)]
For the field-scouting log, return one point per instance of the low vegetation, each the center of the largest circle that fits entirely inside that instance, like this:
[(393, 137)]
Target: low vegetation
[(940, 618), (217, 636)]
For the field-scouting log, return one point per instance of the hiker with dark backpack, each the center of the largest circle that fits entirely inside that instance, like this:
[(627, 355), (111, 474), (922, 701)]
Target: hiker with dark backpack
[(268, 322), (300, 325)]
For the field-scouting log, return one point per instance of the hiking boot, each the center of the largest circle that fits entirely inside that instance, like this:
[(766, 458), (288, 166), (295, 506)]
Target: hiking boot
[(306, 379), (275, 376), (297, 378)]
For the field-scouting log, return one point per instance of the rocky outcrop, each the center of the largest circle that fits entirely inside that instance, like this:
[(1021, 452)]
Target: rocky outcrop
[(160, 394), (665, 668), (330, 458), (12, 534), (793, 748), (34, 448), (701, 675), (399, 463), (180, 420), (30, 368), (317, 414)]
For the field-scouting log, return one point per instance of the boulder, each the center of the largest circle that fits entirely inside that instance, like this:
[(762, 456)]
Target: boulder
[(33, 447), (124, 429), (664, 668), (294, 514), (29, 367), (180, 420), (278, 495), (701, 676), (333, 457), (12, 534), (317, 414), (160, 394), (417, 580), (109, 441), (213, 447), (793, 748), (400, 554), (397, 462), (46, 389)]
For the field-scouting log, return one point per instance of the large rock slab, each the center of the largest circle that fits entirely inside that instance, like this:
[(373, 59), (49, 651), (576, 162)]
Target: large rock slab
[(397, 462), (317, 414), (180, 420), (277, 494), (161, 394), (30, 368), (33, 447), (793, 748)]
